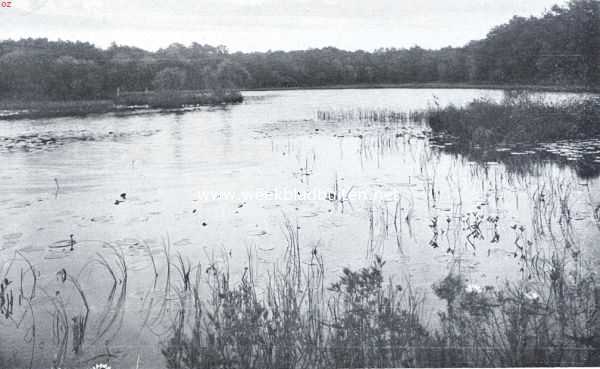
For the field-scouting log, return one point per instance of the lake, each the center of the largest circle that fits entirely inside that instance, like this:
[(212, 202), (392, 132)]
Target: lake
[(349, 170)]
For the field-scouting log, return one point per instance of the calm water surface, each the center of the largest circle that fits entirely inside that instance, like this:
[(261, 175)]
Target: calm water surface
[(220, 183)]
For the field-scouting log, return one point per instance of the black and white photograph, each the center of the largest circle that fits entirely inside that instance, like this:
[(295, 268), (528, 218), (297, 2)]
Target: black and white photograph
[(299, 184)]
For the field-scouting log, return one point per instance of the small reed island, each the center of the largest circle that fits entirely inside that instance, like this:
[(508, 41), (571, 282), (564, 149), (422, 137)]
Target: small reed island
[(121, 102), (518, 118)]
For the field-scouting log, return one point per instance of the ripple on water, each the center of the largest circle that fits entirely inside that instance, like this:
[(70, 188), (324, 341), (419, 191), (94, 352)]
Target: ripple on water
[(129, 243), (182, 242), (42, 141), (12, 236)]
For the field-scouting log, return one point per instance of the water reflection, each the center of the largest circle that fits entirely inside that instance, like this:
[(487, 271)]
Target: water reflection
[(583, 157)]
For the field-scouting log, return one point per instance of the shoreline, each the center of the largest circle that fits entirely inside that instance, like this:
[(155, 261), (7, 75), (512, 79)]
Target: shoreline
[(136, 101), (127, 103), (440, 85)]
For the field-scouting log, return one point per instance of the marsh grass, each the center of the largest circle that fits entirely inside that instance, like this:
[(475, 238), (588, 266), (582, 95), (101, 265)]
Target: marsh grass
[(178, 99), (70, 320), (518, 118), (369, 116), (294, 320), (363, 320), (360, 321)]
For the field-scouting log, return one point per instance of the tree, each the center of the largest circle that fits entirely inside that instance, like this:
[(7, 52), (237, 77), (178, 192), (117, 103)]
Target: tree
[(170, 78), (75, 79)]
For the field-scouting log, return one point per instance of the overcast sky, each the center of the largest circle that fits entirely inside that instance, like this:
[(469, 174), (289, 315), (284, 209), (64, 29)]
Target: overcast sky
[(260, 25)]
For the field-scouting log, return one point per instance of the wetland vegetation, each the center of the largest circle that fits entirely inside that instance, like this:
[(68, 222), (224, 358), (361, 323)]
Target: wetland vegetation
[(124, 103), (518, 118), (549, 318)]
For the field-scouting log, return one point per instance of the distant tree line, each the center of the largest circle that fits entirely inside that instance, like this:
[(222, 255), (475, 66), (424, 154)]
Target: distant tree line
[(560, 47)]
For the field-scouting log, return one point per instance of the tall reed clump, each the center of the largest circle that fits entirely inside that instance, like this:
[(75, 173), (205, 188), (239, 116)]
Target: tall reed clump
[(295, 322), (239, 325), (518, 118), (371, 116)]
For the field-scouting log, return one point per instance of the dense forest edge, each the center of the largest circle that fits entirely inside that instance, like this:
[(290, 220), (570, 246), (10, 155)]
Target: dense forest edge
[(444, 85), (559, 49)]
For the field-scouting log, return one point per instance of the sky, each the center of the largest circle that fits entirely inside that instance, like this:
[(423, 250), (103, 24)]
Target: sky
[(261, 25)]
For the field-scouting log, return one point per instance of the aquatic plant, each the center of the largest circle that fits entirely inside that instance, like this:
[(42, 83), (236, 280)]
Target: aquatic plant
[(517, 118), (369, 116)]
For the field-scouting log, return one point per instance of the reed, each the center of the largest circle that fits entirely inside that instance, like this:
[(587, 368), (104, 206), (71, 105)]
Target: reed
[(518, 118), (369, 116), (364, 320)]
